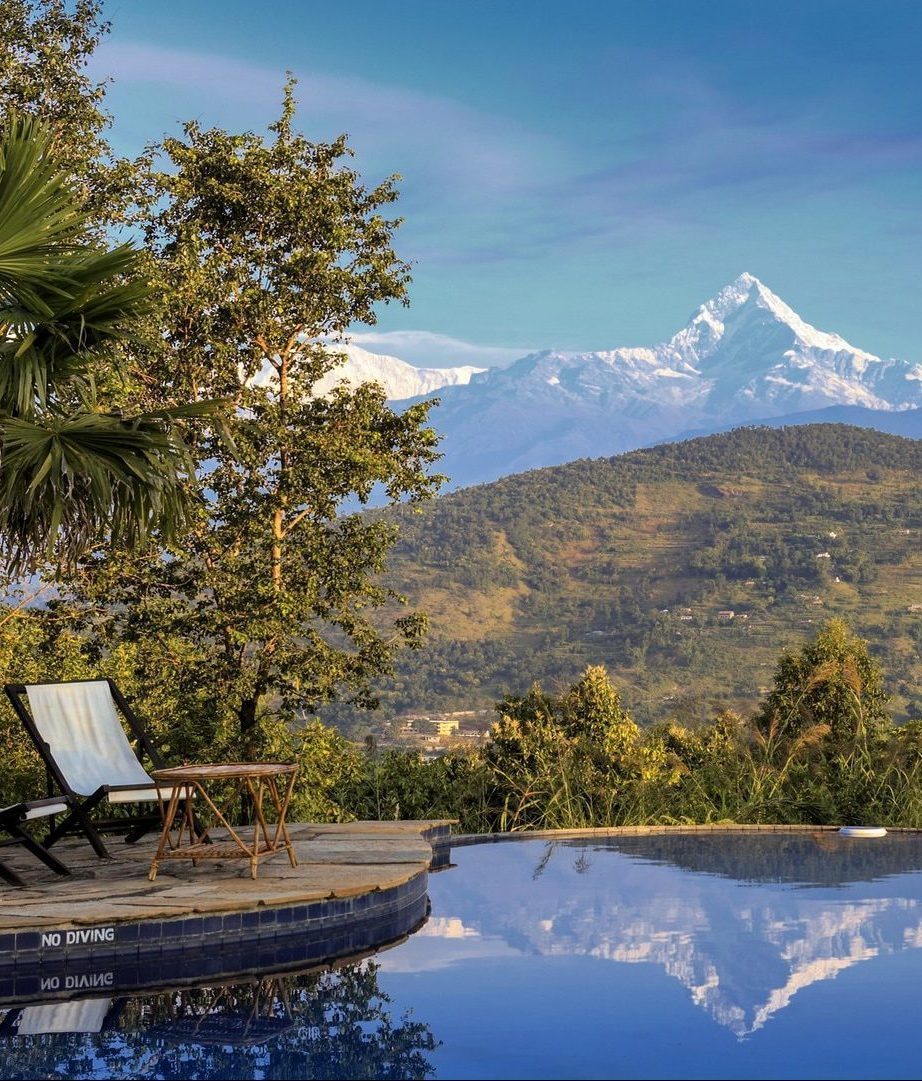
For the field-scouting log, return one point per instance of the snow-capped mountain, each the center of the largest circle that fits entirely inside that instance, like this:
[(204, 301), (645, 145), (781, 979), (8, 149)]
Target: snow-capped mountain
[(399, 379), (744, 356)]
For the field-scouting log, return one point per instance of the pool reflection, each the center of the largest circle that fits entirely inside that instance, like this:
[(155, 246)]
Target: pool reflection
[(329, 1024), (647, 956), (742, 923)]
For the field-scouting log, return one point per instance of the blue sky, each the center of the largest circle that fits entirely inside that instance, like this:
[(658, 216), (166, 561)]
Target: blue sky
[(582, 175)]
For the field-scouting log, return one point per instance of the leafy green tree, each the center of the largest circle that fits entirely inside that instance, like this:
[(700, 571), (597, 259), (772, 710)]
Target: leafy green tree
[(562, 762), (45, 46), (824, 728), (267, 248), (832, 682), (72, 473)]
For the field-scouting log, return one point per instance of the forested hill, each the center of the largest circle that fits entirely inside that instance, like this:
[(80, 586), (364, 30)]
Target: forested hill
[(685, 569)]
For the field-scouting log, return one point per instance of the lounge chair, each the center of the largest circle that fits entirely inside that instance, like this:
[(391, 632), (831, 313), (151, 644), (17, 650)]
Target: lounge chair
[(88, 757), (80, 1015), (12, 820)]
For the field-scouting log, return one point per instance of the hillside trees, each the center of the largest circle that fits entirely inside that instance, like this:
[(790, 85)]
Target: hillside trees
[(269, 605)]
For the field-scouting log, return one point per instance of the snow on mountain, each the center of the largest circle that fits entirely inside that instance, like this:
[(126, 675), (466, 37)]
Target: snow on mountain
[(744, 356), (399, 379)]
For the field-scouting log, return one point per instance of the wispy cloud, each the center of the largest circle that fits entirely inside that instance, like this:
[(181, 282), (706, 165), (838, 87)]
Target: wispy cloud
[(426, 349), (434, 141), (482, 189), (707, 149)]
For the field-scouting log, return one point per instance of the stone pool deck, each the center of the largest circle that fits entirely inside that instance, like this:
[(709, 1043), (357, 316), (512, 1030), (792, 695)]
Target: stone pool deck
[(356, 886), (334, 861)]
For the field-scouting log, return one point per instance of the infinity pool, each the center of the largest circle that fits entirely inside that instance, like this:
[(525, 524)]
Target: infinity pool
[(677, 956)]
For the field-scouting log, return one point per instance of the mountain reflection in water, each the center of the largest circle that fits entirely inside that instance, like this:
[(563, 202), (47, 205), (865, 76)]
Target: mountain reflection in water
[(678, 955), (743, 922)]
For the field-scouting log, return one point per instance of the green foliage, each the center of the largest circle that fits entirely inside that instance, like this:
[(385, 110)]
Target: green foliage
[(402, 784), (46, 45), (831, 684), (627, 562), (71, 474), (563, 762), (828, 698), (577, 759), (571, 760), (272, 599)]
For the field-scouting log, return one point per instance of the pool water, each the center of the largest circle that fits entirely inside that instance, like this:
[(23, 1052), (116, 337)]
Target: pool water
[(676, 956)]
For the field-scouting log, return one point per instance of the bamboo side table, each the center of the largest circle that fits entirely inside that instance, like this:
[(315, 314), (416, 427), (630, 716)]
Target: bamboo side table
[(254, 779)]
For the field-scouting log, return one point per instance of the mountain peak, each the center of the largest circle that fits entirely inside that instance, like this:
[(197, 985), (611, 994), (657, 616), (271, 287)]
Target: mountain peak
[(747, 287), (747, 295)]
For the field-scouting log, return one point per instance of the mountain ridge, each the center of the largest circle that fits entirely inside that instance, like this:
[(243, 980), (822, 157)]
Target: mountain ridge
[(634, 561), (744, 356)]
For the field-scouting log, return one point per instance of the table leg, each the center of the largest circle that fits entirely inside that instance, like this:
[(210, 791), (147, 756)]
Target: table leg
[(259, 821), (168, 815), (281, 806)]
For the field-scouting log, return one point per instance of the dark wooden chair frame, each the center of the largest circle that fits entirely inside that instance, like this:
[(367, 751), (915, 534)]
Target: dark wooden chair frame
[(12, 820), (81, 807)]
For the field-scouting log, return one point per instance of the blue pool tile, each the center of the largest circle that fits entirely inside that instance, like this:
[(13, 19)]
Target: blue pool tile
[(192, 927)]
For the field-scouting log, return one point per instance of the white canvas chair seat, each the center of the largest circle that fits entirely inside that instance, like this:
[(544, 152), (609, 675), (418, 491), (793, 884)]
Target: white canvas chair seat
[(79, 723), (85, 1015)]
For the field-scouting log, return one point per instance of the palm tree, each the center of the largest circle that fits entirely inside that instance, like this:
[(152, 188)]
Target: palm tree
[(72, 474)]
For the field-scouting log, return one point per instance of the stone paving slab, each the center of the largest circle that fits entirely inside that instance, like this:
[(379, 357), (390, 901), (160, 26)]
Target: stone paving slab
[(333, 861)]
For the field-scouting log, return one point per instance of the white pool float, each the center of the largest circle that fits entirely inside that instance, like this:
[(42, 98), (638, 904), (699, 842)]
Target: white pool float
[(863, 831)]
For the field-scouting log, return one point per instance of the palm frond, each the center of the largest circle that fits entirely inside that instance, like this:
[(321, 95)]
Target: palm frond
[(72, 475), (69, 482), (61, 299), (39, 220)]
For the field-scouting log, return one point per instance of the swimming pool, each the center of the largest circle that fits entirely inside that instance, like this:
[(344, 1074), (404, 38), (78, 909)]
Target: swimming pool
[(680, 955)]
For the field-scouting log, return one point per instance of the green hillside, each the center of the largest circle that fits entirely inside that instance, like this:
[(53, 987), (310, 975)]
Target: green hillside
[(635, 562)]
